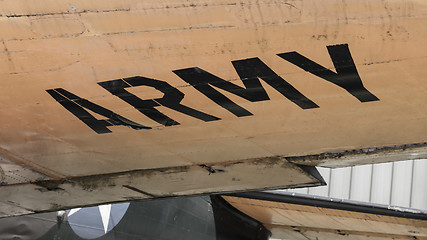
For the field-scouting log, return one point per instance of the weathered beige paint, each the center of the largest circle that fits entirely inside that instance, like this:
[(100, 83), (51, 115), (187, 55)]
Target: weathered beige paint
[(287, 220), (154, 183), (75, 44)]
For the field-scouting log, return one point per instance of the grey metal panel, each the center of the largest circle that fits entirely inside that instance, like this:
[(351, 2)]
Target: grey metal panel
[(401, 184), (322, 190), (419, 185), (361, 180), (381, 183), (299, 190), (339, 186)]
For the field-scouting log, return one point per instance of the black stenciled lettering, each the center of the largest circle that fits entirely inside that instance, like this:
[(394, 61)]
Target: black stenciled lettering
[(252, 69), (346, 75), (171, 99), (77, 105), (249, 71)]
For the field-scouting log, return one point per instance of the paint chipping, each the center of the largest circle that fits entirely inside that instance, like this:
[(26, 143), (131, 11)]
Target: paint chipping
[(316, 158), (211, 170)]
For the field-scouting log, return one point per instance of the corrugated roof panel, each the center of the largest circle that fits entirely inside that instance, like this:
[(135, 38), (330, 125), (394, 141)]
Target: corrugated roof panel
[(402, 184), (361, 178), (322, 190), (381, 183), (419, 185)]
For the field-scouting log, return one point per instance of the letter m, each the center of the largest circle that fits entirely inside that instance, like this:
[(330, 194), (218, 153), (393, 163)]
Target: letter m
[(250, 72)]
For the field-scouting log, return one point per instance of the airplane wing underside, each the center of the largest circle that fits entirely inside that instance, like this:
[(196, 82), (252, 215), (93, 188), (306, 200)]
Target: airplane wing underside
[(51, 195), (109, 101), (300, 216)]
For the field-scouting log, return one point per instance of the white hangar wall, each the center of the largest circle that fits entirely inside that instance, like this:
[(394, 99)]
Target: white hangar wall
[(401, 183)]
